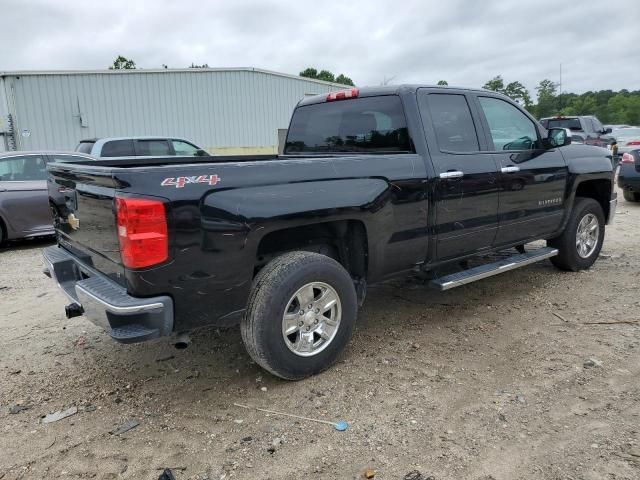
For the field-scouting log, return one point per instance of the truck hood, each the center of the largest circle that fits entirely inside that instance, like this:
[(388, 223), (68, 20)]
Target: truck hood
[(587, 158)]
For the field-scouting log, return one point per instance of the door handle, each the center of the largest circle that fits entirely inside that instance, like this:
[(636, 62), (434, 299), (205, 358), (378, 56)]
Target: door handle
[(452, 174), (510, 169)]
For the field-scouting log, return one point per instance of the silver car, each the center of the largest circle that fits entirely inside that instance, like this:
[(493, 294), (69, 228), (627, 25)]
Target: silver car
[(127, 147), (24, 200), (628, 139)]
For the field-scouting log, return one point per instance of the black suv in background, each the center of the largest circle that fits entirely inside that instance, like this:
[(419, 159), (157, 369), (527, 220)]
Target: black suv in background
[(588, 127)]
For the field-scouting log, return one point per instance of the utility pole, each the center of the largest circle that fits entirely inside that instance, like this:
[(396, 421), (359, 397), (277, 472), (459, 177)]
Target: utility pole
[(560, 92)]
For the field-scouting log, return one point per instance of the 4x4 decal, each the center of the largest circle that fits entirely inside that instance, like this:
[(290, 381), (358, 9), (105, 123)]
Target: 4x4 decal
[(180, 182)]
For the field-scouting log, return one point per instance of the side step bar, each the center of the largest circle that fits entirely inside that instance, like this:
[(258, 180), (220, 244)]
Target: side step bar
[(488, 270)]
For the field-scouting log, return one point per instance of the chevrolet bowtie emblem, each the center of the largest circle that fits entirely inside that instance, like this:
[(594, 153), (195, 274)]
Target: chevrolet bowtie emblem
[(73, 221)]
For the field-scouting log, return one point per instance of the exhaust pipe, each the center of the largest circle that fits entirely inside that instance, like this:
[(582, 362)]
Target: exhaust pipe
[(182, 341), (73, 310)]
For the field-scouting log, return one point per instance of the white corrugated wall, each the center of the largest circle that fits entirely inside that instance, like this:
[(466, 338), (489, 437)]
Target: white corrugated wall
[(224, 111)]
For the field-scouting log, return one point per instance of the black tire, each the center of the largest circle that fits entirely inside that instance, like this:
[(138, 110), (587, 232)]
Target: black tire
[(273, 288), (630, 196), (568, 257)]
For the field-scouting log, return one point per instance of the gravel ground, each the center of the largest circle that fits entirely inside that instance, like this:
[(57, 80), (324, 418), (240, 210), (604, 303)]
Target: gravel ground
[(507, 378)]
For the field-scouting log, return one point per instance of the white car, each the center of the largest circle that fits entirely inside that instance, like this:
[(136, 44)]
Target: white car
[(127, 147), (628, 139)]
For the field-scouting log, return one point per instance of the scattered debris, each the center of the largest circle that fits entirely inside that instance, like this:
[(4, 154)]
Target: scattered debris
[(341, 425), (90, 408), (167, 474), (125, 427), (274, 445), (520, 398), (263, 389), (615, 322), (5, 288), (592, 363), (415, 345), (502, 417), (560, 317), (18, 408), (52, 443), (59, 415), (369, 473), (416, 475), (164, 359), (15, 372)]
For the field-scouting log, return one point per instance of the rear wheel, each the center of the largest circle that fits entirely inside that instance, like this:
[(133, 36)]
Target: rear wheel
[(630, 196), (300, 314), (580, 243)]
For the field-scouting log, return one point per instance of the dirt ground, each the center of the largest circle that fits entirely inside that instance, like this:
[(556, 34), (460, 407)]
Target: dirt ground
[(502, 379)]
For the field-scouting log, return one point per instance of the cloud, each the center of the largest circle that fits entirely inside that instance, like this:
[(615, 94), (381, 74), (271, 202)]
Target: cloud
[(463, 42)]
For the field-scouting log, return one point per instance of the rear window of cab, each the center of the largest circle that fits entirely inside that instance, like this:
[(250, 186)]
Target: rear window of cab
[(361, 125)]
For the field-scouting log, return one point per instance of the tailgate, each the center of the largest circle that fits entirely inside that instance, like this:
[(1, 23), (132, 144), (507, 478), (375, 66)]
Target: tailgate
[(83, 202)]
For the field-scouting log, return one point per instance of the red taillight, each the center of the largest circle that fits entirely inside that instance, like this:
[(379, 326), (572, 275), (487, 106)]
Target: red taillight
[(342, 95), (627, 158), (142, 231), (633, 142)]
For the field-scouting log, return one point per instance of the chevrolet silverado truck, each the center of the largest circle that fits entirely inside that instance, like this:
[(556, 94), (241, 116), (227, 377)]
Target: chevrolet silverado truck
[(373, 183)]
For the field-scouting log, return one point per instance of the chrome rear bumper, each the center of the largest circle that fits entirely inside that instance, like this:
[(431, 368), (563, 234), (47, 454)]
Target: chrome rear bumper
[(105, 303)]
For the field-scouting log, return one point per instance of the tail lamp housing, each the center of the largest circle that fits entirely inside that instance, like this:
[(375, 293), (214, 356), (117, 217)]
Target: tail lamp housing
[(627, 158), (142, 231)]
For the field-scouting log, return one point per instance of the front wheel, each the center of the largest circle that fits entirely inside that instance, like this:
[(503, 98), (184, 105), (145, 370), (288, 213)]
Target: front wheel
[(300, 314), (580, 243)]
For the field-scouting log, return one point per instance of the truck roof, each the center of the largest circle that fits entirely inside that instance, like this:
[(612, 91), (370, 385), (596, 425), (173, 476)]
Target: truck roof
[(390, 90)]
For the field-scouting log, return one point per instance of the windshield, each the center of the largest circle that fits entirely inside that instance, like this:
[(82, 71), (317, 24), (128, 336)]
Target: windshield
[(570, 123), (364, 125)]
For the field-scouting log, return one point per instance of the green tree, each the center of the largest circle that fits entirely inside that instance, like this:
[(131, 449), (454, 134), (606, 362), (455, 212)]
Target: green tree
[(547, 101), (517, 91), (123, 63), (344, 80), (496, 84), (325, 75), (309, 73), (443, 82), (194, 65)]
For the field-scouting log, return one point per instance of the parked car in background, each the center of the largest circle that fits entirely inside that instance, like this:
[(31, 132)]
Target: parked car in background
[(629, 175), (127, 147), (590, 128), (24, 204), (627, 138)]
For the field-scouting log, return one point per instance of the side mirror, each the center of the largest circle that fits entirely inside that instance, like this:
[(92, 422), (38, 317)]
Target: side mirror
[(559, 137), (607, 130)]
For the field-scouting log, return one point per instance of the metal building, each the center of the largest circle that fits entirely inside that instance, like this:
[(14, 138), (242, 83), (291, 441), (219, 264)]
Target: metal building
[(226, 111)]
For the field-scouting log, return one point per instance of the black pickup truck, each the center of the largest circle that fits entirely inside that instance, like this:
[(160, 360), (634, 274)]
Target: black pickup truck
[(373, 183)]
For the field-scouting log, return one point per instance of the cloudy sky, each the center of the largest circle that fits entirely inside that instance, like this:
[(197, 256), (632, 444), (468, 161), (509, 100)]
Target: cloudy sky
[(465, 42)]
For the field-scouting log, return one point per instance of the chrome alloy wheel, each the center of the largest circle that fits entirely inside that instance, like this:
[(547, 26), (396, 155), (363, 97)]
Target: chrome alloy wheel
[(587, 235), (311, 319)]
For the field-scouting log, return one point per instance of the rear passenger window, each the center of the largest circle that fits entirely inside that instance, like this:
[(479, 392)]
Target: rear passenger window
[(118, 148), (152, 148), (452, 122), (23, 169)]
